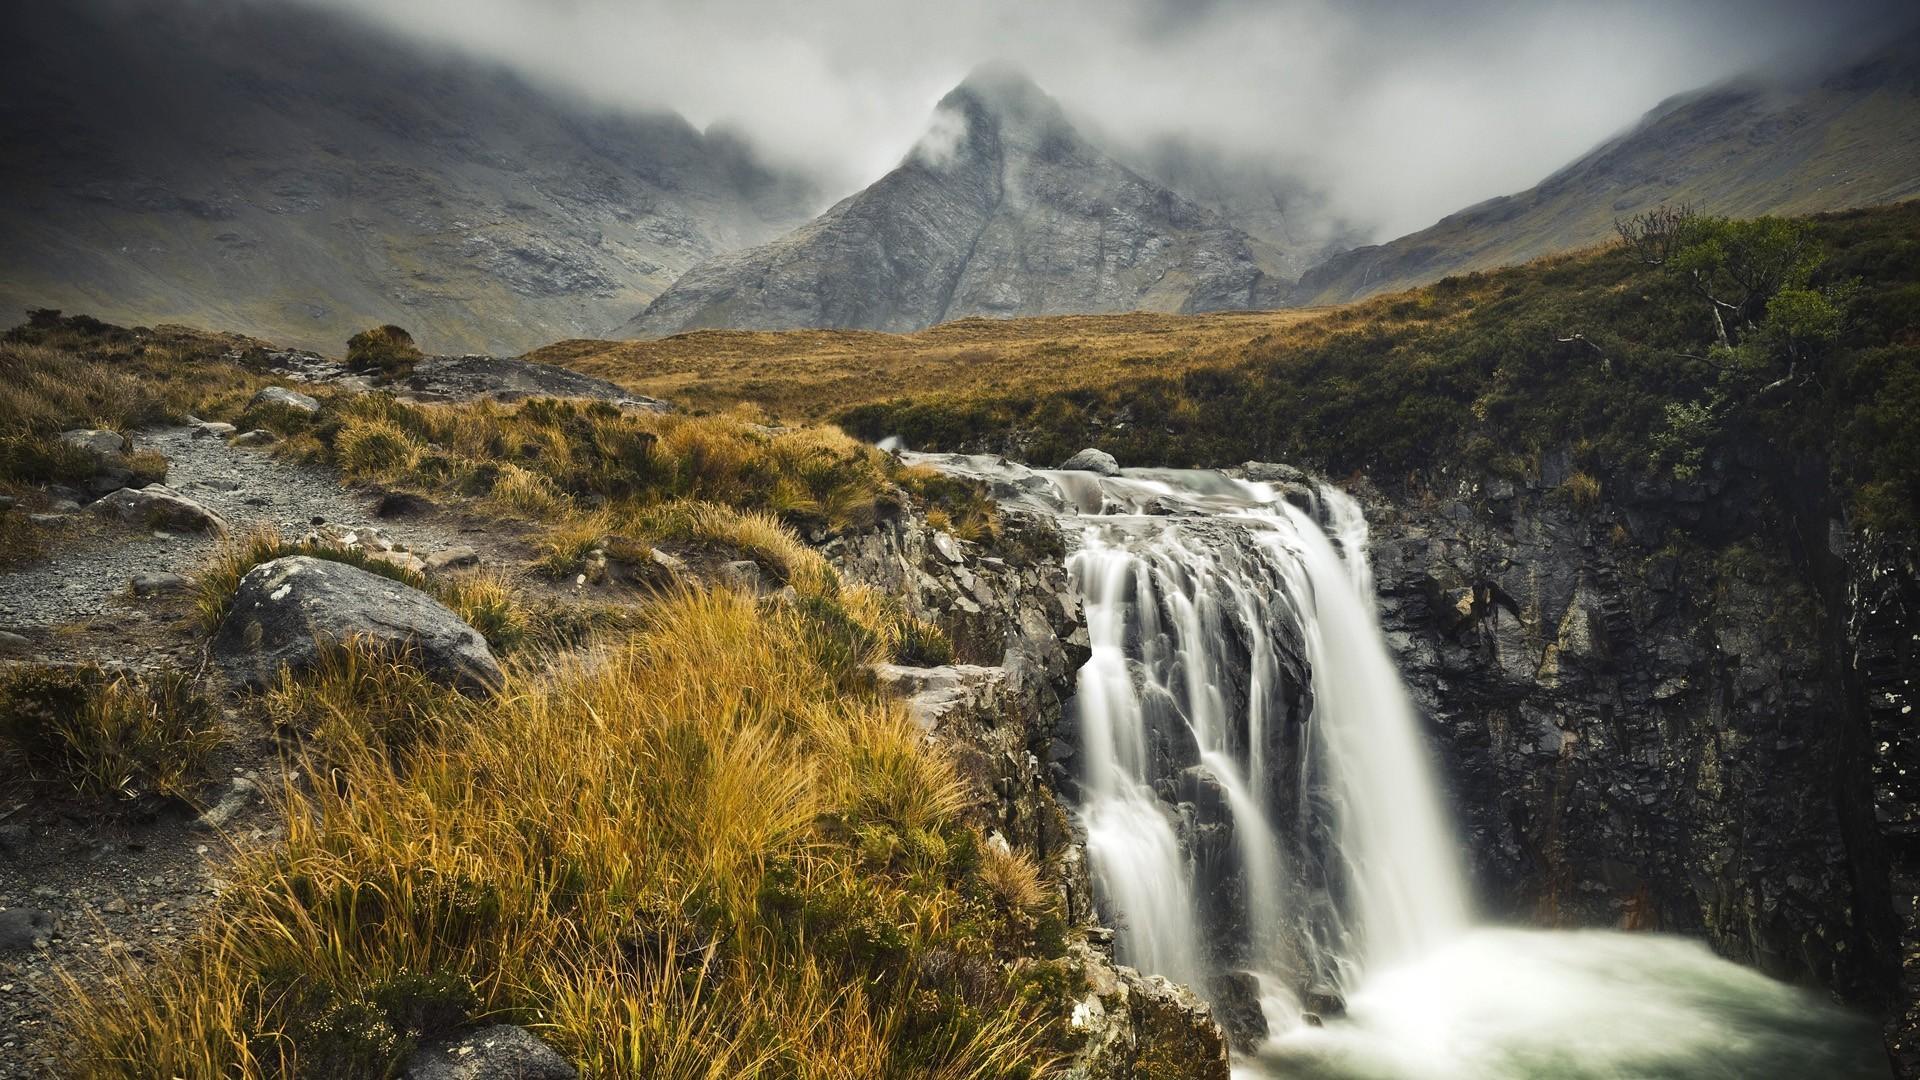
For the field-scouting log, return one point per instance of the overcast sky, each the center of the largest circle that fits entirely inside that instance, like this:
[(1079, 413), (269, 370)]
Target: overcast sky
[(1402, 110)]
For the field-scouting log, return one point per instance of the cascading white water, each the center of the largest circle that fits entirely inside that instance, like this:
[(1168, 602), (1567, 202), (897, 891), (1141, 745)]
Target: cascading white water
[(1239, 686), (1390, 832)]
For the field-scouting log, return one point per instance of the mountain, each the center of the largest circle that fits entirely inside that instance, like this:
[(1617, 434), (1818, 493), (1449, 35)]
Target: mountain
[(1002, 209), (289, 172), (1849, 137), (1287, 212)]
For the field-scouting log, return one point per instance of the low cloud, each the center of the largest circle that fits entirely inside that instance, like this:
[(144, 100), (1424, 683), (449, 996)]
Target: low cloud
[(1400, 111)]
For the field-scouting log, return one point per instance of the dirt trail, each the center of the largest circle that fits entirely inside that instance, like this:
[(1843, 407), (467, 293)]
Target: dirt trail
[(132, 881)]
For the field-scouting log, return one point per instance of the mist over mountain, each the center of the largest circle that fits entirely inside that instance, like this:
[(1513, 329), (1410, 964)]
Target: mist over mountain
[(1003, 209), (1844, 136), (300, 175)]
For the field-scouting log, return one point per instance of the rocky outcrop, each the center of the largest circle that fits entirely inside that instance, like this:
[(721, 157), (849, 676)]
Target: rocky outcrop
[(1003, 209), (1142, 1027), (466, 378), (287, 612), (999, 715)]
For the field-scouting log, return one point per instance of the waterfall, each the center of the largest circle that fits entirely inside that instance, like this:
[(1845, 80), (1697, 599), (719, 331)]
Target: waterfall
[(1260, 807), (1254, 786)]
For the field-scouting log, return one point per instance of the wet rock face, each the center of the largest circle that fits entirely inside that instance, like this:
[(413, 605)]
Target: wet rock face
[(1882, 633), (1633, 736)]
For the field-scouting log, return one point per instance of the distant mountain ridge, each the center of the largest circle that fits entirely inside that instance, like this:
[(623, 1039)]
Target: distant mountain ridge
[(289, 172), (1003, 209), (1845, 139)]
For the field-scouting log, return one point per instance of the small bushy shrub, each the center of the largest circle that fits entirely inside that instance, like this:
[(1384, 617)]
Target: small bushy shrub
[(387, 351), (107, 736)]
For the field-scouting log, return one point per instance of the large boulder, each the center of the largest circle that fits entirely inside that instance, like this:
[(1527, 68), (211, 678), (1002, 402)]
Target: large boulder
[(96, 441), (1094, 461), (158, 506), (287, 612), (501, 1052), (279, 397)]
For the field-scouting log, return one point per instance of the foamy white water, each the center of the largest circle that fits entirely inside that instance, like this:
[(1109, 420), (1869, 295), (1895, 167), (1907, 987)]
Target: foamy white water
[(1206, 598)]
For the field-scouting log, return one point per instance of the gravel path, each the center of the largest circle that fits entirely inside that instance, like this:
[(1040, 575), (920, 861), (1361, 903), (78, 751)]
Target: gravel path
[(92, 562)]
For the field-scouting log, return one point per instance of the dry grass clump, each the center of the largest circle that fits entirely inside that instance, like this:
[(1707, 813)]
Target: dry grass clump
[(106, 736), (376, 449), (490, 601), (707, 854)]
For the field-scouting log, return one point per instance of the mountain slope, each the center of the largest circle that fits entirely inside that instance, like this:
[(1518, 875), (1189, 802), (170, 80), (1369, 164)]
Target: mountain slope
[(1003, 209), (1850, 138), (290, 173)]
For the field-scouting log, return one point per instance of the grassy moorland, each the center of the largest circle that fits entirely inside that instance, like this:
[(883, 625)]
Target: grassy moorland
[(1603, 354), (812, 374)]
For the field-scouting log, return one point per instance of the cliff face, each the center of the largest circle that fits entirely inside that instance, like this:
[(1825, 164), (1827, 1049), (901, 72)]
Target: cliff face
[(1678, 708)]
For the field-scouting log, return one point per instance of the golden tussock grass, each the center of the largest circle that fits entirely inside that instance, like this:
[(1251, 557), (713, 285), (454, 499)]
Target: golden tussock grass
[(707, 854)]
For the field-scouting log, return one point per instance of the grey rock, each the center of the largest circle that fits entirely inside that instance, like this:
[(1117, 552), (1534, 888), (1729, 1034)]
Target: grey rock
[(159, 506), (12, 644), (256, 437), (1094, 461), (7, 502), (23, 929), (159, 583), (212, 429), (285, 612), (1273, 472), (239, 794), (453, 558), (281, 397), (501, 1052), (96, 441), (109, 480), (741, 574)]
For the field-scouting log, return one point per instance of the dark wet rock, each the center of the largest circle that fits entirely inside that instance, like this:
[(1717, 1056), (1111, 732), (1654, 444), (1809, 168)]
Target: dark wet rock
[(501, 1052), (287, 611), (1093, 461), (160, 507), (1236, 1005)]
